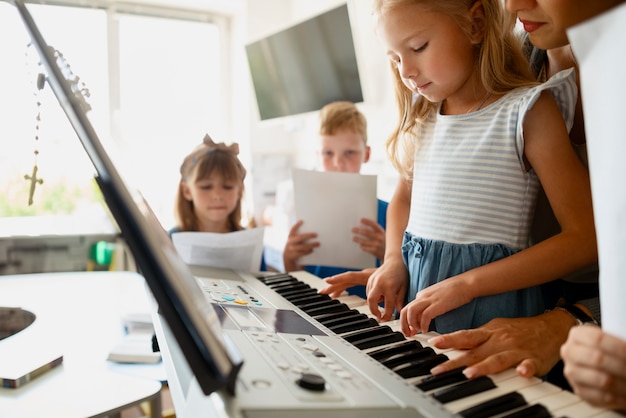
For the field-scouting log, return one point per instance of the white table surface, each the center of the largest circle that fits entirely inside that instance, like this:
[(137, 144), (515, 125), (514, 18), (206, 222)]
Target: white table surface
[(80, 313)]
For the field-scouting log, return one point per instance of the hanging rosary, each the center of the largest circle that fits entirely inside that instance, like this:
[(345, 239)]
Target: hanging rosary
[(79, 91), (33, 178)]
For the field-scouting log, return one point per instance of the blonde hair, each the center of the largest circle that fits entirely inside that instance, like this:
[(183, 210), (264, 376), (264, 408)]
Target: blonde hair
[(205, 160), (502, 64), (341, 115)]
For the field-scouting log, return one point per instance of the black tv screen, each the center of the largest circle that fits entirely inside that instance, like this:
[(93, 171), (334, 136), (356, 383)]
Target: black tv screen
[(306, 66)]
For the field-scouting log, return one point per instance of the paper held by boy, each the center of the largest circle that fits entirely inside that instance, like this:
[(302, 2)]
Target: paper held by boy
[(331, 204)]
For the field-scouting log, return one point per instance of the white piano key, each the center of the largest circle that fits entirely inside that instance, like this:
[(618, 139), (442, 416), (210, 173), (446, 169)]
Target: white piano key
[(534, 394), (559, 401), (366, 310), (310, 279), (580, 409), (353, 301), (608, 414)]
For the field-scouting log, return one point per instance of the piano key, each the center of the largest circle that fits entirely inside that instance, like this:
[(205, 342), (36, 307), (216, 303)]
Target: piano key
[(352, 301), (296, 293), (310, 279), (531, 411), (419, 367), (354, 325), (318, 304), (328, 309), (609, 414), (281, 289), (494, 406), (283, 282), (323, 318), (378, 340), (408, 356), (344, 319), (366, 309), (269, 280), (381, 354), (443, 379), (308, 295), (577, 409), (366, 333), (464, 390), (558, 401)]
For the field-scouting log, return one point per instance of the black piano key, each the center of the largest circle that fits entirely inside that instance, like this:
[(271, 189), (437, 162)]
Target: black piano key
[(437, 381), (419, 367), (340, 320), (277, 279), (326, 317), (495, 406), (318, 303), (370, 332), (386, 352), (407, 357), (301, 299), (264, 278), (289, 280), (378, 340), (532, 411), (360, 323), (289, 287), (462, 390), (293, 294), (341, 307)]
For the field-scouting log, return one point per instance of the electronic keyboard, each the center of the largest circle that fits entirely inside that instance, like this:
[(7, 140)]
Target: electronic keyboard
[(308, 355)]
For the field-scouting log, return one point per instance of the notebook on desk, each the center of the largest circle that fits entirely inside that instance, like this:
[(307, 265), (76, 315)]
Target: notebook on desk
[(194, 321)]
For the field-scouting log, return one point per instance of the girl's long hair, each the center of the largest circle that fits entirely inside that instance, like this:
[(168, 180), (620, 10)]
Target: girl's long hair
[(502, 64)]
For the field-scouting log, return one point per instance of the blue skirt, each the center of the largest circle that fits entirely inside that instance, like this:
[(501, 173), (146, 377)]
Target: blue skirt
[(430, 261)]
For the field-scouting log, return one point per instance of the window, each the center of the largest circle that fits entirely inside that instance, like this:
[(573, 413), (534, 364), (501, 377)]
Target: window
[(155, 85)]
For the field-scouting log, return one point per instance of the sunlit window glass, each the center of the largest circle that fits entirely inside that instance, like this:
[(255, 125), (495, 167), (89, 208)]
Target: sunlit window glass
[(159, 99)]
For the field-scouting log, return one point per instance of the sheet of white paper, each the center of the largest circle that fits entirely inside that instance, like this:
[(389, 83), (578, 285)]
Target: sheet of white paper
[(331, 204), (240, 250), (603, 88)]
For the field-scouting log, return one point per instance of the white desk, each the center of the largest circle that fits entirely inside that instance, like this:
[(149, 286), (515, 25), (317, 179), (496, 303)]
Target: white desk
[(81, 312)]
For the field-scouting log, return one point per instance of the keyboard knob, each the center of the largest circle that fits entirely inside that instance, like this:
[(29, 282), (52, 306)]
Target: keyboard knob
[(312, 381)]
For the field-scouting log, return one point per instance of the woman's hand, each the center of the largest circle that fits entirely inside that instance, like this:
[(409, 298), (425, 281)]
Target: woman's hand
[(595, 366), (298, 245), (340, 282), (371, 237), (531, 345), (387, 285)]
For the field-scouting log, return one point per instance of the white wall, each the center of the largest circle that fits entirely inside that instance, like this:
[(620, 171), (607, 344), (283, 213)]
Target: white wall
[(294, 139)]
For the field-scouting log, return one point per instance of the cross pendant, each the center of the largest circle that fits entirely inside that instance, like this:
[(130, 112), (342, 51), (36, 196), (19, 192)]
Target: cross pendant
[(33, 182)]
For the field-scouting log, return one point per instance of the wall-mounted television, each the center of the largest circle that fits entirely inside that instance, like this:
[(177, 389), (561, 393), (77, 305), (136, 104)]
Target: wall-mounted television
[(306, 66)]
